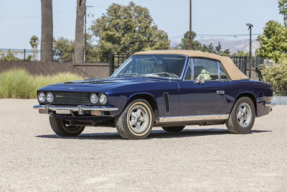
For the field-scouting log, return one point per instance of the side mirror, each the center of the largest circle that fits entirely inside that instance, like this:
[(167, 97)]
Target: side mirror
[(200, 80)]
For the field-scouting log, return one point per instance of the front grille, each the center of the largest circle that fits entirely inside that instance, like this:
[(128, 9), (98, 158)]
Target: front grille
[(72, 98)]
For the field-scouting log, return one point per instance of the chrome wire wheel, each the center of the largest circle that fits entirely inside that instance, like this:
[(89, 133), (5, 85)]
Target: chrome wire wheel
[(138, 119), (244, 115)]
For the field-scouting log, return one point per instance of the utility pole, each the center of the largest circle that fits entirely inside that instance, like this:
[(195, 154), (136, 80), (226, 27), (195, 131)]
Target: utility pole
[(85, 47), (250, 47), (190, 26)]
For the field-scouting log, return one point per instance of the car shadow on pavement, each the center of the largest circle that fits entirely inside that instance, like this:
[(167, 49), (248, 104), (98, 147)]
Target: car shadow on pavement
[(155, 134), (196, 133)]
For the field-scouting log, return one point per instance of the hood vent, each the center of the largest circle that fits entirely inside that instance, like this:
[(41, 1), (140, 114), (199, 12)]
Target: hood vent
[(166, 101)]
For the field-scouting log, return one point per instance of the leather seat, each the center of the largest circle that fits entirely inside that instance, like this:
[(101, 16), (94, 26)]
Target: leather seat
[(159, 67)]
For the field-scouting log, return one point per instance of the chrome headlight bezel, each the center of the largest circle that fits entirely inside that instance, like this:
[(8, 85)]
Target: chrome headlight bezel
[(94, 99), (105, 99), (50, 95), (43, 96)]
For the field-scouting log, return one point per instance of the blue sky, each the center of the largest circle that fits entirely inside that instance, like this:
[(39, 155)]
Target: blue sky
[(19, 19)]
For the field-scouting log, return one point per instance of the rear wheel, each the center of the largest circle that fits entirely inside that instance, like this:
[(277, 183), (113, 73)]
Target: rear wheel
[(242, 117), (136, 121), (61, 128), (173, 129)]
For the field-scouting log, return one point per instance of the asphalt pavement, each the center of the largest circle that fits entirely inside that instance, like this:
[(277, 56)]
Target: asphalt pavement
[(33, 158)]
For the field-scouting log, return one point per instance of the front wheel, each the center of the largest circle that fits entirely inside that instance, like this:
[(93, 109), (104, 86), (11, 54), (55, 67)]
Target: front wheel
[(242, 117), (136, 120), (173, 129), (61, 128)]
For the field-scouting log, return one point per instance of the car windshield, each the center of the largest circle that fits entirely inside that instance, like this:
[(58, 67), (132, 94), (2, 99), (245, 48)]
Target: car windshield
[(169, 66)]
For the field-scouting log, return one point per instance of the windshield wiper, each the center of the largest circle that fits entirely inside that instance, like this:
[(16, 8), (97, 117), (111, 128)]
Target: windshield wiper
[(166, 73), (128, 74)]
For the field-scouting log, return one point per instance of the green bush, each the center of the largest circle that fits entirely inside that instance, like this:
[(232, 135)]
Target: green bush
[(276, 76), (18, 83)]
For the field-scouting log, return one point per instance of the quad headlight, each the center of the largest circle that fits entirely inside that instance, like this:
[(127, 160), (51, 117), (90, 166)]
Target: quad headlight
[(41, 97), (103, 99), (50, 97), (94, 98)]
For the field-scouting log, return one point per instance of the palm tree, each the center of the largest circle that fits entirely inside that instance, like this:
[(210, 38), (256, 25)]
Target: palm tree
[(79, 39), (34, 41), (47, 31)]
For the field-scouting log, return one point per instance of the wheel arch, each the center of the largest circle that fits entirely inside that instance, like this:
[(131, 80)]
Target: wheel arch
[(148, 97), (246, 94)]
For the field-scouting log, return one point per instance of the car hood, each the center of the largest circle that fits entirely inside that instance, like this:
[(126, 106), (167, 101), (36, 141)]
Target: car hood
[(99, 85)]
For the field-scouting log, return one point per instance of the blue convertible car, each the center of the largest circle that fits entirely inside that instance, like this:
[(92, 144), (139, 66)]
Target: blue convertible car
[(169, 89)]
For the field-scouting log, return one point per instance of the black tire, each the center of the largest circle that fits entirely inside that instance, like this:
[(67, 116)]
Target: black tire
[(173, 129), (233, 123), (60, 128), (144, 120)]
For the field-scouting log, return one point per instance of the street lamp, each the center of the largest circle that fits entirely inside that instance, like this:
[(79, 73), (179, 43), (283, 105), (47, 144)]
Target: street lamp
[(250, 47)]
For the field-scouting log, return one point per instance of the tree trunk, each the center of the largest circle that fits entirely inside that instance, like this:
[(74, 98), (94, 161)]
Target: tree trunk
[(47, 31), (79, 39)]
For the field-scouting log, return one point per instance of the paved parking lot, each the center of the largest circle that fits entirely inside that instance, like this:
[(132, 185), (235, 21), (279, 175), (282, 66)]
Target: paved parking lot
[(207, 158)]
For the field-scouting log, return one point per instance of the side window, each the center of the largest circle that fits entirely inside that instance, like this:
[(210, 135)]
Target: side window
[(206, 67), (188, 74), (222, 72)]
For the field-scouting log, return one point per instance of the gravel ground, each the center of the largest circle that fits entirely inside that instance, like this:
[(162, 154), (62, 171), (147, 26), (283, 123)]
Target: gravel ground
[(207, 158)]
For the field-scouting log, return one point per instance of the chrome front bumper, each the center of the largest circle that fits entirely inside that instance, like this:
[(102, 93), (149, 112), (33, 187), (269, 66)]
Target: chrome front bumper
[(80, 108)]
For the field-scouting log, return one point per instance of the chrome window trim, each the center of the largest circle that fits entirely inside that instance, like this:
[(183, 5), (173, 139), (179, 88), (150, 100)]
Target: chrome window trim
[(190, 62), (193, 118), (192, 69), (219, 72)]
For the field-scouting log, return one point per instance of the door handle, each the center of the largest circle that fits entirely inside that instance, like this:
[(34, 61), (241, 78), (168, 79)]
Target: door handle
[(220, 92)]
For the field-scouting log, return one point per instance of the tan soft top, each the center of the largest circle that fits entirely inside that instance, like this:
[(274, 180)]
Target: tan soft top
[(233, 72)]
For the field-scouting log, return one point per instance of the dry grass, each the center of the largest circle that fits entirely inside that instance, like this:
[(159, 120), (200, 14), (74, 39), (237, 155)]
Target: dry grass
[(18, 83)]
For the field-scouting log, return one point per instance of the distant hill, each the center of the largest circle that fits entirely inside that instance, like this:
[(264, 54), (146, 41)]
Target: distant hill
[(232, 45)]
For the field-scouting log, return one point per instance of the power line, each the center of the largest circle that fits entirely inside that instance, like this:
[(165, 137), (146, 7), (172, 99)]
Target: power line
[(217, 35)]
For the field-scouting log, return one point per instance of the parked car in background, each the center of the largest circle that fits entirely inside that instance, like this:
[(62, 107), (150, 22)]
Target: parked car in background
[(169, 89)]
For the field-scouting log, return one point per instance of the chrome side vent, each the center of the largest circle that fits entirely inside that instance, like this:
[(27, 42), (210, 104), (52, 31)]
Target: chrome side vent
[(166, 101)]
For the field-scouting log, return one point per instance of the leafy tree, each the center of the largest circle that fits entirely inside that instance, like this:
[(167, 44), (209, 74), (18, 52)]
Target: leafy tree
[(184, 45), (218, 49), (211, 48), (240, 53), (196, 45), (127, 29), (34, 41), (283, 9), (9, 55), (47, 31), (64, 49), (226, 52), (273, 42)]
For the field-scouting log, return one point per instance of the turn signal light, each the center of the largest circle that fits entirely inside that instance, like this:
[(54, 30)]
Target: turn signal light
[(96, 113), (42, 111)]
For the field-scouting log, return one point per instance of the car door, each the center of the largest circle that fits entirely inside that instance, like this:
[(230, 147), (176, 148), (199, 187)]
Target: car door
[(207, 98)]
